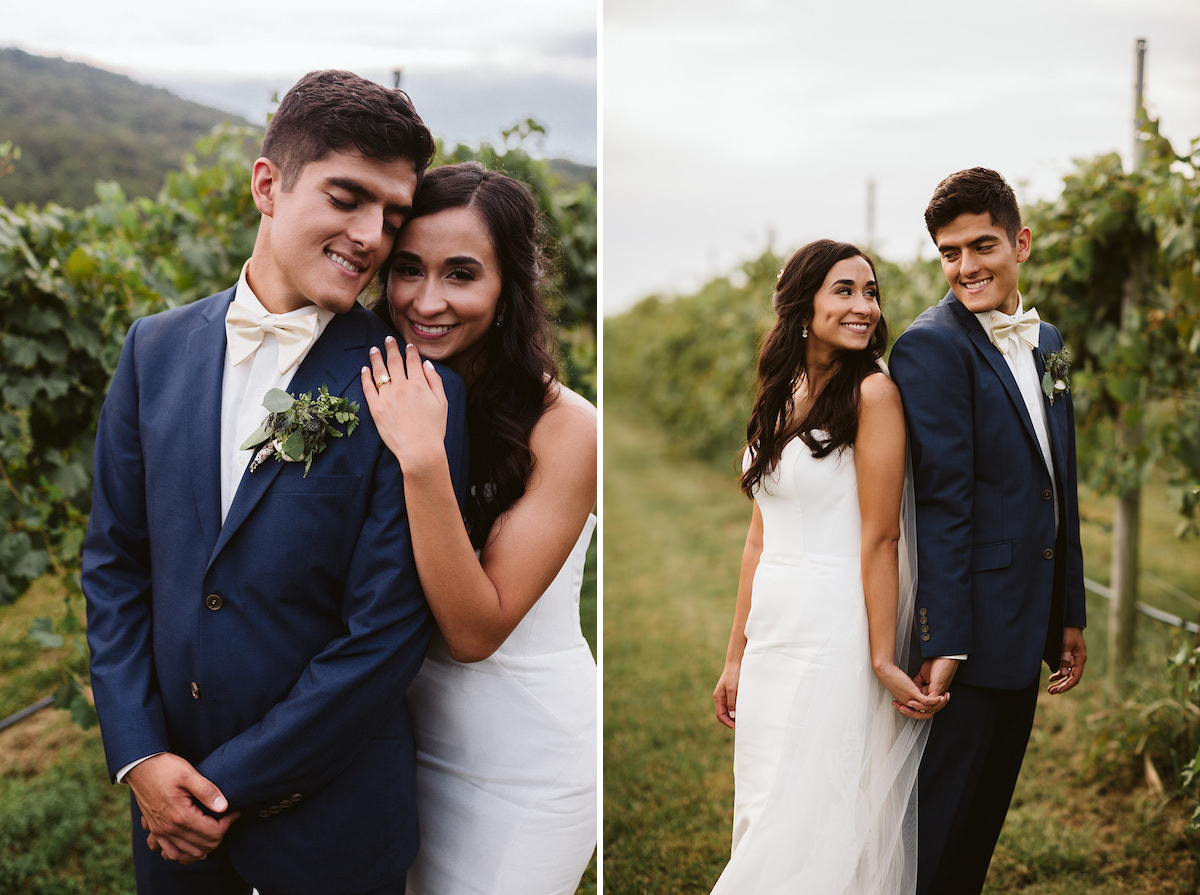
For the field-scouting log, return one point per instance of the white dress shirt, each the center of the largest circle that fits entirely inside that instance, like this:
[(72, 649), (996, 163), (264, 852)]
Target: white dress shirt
[(244, 385)]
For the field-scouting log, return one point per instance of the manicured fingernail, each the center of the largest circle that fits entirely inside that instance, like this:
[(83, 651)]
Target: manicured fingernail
[(389, 339)]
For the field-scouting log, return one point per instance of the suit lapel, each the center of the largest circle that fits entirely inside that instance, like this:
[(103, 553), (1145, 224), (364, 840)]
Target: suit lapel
[(334, 361), (996, 361), (204, 363)]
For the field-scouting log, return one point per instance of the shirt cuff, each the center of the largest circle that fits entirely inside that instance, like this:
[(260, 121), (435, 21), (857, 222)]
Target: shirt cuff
[(129, 767)]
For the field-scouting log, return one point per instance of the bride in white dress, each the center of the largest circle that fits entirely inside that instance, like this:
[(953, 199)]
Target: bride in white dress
[(505, 705), (828, 723)]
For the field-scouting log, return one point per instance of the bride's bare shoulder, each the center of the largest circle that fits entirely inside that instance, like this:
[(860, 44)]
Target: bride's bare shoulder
[(877, 389), (568, 420)]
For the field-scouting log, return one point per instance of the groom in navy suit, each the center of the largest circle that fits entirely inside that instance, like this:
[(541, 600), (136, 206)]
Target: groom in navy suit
[(253, 628), (999, 565)]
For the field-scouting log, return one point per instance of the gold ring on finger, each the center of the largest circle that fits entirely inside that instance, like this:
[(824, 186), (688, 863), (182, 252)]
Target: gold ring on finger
[(383, 380)]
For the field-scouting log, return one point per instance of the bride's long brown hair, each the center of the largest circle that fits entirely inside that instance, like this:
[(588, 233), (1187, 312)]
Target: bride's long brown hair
[(781, 364)]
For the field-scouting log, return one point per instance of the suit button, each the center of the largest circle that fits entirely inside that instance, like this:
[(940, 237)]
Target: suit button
[(924, 629), (213, 602), (925, 637), (924, 613), (195, 690), (1047, 494), (296, 797), (264, 813), (1047, 553)]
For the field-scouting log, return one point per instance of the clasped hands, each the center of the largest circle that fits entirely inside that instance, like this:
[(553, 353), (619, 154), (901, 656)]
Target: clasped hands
[(923, 696), (169, 792)]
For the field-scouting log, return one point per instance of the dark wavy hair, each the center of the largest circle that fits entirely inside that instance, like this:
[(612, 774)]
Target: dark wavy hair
[(334, 111), (510, 385), (974, 191), (781, 364)]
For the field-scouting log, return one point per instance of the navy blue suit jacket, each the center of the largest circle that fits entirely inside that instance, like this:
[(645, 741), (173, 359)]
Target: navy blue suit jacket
[(994, 580), (273, 651)]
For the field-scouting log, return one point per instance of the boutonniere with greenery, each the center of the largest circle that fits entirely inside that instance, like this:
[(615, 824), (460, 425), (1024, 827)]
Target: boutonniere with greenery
[(1057, 378), (296, 428)]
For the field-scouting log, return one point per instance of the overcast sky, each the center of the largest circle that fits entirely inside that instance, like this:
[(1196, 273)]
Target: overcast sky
[(726, 123), (472, 67)]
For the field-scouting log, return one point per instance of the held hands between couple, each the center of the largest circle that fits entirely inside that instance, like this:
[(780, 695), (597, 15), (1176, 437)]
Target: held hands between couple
[(913, 698), (169, 791), (923, 696)]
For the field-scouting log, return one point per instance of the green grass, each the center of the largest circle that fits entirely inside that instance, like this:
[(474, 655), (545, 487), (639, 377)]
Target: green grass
[(63, 828), (674, 530)]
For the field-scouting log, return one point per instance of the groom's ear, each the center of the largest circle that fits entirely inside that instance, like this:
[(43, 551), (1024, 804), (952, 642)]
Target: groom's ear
[(1024, 244), (265, 183)]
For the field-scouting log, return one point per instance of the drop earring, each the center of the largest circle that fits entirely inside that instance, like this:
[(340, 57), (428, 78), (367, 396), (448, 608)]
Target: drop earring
[(804, 330)]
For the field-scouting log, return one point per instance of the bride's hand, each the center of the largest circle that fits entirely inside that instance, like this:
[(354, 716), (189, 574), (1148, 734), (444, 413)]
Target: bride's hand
[(725, 696), (409, 409), (908, 698)]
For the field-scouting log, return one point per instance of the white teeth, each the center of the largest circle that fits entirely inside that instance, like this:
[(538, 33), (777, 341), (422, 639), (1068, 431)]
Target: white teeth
[(971, 287), (856, 327), (431, 330), (342, 261)]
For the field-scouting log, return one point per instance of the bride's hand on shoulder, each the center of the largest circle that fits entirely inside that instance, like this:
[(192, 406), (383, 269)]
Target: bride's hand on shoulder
[(907, 697), (725, 696), (409, 408)]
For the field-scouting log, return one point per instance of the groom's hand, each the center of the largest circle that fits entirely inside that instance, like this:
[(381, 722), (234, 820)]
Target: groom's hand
[(935, 675), (167, 789), (1070, 665)]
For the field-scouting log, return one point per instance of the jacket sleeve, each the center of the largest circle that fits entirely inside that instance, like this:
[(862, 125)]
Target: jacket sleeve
[(933, 378), (116, 579), (1075, 596)]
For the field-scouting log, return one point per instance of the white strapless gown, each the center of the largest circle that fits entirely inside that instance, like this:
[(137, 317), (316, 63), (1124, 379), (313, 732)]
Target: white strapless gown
[(825, 768), (506, 756)]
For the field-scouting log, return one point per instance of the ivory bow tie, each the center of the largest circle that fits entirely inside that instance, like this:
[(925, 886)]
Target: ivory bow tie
[(1023, 326), (244, 331)]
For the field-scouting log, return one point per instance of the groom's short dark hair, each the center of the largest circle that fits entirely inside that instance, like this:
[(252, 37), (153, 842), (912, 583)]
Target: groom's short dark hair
[(974, 191), (334, 111)]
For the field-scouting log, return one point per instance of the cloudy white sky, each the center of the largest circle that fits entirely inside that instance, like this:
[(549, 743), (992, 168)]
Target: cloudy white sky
[(728, 123), (472, 67)]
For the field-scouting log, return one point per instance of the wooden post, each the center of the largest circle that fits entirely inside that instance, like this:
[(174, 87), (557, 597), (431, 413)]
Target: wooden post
[(1122, 626)]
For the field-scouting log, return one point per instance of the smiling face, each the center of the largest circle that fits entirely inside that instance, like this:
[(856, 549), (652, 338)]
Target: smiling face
[(845, 308), (981, 264), (321, 242), (444, 286)]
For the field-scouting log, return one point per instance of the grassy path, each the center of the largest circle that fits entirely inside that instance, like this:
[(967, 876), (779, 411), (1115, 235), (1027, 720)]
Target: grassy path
[(673, 538)]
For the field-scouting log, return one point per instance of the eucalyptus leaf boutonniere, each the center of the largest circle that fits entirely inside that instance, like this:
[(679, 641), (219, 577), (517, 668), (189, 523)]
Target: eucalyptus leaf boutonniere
[(1057, 378), (296, 428)]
